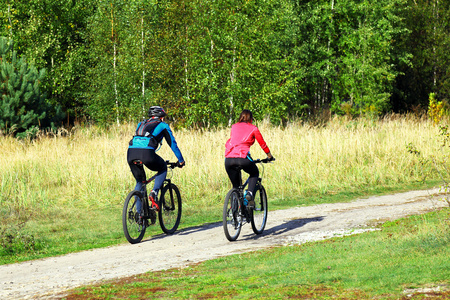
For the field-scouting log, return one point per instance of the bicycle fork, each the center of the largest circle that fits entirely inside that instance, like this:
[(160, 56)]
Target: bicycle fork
[(164, 203)]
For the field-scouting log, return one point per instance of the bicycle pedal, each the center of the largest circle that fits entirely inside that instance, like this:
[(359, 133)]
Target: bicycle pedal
[(152, 217), (154, 205)]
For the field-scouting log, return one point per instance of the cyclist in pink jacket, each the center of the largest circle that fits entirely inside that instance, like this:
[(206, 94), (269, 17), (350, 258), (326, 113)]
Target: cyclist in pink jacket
[(237, 154)]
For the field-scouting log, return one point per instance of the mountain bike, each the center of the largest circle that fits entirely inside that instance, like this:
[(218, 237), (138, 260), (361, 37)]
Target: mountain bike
[(236, 214), (168, 208)]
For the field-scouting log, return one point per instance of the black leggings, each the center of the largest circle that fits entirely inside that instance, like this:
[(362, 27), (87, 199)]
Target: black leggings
[(233, 166), (151, 160)]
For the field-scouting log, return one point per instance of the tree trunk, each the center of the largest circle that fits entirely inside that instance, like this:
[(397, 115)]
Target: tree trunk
[(232, 78), (143, 64), (114, 66)]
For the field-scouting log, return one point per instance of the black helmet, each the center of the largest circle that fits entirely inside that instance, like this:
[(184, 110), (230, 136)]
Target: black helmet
[(156, 111)]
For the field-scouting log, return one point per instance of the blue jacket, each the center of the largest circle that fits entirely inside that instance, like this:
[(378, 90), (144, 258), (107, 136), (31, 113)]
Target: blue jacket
[(149, 135)]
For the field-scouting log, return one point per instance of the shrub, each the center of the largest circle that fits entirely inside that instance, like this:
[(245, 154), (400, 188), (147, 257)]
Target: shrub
[(23, 106)]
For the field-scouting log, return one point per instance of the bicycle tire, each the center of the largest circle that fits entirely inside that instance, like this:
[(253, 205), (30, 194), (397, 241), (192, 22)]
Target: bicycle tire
[(170, 208), (232, 220), (259, 213), (134, 232)]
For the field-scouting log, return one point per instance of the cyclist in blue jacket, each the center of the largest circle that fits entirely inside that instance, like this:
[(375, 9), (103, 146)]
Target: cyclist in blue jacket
[(143, 147)]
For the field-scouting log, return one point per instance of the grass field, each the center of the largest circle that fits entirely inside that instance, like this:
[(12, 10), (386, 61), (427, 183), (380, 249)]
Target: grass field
[(63, 192), (86, 167)]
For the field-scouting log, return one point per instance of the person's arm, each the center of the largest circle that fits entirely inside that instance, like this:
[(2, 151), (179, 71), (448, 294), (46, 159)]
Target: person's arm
[(170, 139), (261, 142)]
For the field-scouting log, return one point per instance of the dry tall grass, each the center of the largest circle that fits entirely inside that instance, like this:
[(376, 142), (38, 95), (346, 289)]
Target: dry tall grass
[(87, 166)]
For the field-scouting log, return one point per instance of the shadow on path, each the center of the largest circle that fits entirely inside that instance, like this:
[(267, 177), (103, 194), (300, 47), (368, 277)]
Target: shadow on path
[(272, 231), (283, 228), (184, 231)]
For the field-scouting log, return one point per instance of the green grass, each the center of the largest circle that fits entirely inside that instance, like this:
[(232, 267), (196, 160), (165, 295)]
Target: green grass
[(64, 192), (409, 253)]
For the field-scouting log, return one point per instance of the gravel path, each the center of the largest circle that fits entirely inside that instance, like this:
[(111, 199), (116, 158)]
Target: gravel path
[(45, 278)]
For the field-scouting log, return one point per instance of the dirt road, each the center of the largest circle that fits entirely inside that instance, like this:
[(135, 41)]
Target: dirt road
[(47, 277)]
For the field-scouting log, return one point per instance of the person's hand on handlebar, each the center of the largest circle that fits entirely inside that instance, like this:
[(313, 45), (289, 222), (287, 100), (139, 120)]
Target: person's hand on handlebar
[(270, 157), (180, 165)]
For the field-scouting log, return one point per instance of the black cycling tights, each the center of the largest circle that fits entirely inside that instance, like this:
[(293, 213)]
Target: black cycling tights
[(152, 161), (233, 166)]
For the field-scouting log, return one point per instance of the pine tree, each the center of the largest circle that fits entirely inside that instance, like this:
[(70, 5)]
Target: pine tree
[(22, 106)]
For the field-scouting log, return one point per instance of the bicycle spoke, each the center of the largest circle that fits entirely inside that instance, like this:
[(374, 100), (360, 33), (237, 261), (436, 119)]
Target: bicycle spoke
[(133, 226), (170, 213), (232, 220), (259, 214)]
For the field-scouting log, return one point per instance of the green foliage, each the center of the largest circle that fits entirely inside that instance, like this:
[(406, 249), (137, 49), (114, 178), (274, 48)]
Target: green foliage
[(364, 49), (14, 239), (23, 105), (435, 109), (205, 61), (428, 68), (51, 34)]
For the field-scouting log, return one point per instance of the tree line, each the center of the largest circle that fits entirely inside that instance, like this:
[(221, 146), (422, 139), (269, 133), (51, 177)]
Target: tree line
[(206, 60)]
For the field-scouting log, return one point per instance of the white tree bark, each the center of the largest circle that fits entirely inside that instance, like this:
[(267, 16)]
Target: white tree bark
[(232, 78)]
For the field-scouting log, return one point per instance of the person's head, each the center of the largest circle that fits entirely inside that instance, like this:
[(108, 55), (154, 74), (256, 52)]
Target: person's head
[(156, 111), (246, 116)]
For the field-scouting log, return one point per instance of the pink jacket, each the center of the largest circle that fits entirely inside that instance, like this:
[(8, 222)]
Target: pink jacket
[(243, 135)]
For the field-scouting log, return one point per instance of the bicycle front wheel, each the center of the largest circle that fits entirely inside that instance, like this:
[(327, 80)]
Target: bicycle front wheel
[(133, 229), (259, 213), (232, 221), (170, 208)]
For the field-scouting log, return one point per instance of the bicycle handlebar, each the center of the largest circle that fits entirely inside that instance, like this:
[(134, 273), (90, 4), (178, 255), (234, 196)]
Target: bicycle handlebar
[(172, 165), (265, 160)]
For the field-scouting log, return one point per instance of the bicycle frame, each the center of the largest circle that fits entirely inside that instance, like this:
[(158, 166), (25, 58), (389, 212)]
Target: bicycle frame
[(260, 178), (236, 214), (139, 208), (167, 181)]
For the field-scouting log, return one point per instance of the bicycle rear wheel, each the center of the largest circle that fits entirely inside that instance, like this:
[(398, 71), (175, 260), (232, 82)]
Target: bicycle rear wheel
[(232, 221), (259, 213), (170, 208), (134, 232)]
